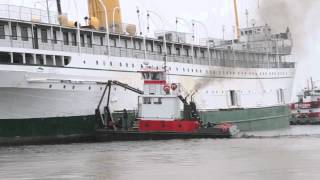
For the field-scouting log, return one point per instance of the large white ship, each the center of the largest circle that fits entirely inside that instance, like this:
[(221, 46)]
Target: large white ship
[(53, 73)]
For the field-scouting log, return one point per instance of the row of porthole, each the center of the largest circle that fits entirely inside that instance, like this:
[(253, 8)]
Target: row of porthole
[(200, 71), (241, 92), (213, 92), (74, 87)]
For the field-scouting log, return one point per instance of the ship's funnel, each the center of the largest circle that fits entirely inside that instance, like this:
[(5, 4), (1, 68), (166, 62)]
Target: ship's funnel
[(97, 14)]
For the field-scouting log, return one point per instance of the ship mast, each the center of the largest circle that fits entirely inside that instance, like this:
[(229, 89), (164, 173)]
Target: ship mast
[(237, 18), (59, 7)]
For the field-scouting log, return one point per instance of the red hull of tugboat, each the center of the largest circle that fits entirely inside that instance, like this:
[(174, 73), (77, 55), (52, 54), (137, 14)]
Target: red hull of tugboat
[(169, 126)]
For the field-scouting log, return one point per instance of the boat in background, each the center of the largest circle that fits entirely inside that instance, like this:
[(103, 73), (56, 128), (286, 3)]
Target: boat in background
[(306, 111)]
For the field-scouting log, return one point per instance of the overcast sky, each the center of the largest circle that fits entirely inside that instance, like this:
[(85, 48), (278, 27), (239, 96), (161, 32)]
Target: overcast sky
[(215, 14)]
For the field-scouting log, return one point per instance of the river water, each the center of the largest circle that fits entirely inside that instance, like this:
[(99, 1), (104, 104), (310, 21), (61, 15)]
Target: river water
[(293, 154)]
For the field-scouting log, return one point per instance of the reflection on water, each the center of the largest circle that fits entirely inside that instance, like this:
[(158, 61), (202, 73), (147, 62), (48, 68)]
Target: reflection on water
[(293, 158)]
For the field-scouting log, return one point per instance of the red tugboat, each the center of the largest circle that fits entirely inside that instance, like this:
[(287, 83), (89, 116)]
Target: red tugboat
[(159, 106), (159, 114), (307, 110)]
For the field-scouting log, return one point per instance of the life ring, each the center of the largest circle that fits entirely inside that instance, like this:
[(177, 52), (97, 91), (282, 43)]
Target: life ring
[(166, 88), (174, 86)]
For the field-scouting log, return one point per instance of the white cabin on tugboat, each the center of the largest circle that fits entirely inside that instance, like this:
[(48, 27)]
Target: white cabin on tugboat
[(159, 107)]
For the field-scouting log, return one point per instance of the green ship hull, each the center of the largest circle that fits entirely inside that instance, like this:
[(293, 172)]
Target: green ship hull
[(80, 128)]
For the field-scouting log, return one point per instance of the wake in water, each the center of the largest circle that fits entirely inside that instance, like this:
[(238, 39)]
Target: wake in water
[(293, 131)]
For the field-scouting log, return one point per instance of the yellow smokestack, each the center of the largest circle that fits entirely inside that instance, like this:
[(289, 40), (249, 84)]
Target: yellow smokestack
[(235, 4), (96, 13)]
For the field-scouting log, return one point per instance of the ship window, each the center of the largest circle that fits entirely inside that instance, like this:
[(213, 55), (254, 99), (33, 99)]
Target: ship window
[(155, 76), (101, 41), (65, 39), (17, 58), (195, 53), (82, 40), (157, 101), (2, 32), (5, 58), (24, 33), (55, 39), (114, 42), (280, 95), (187, 52), (89, 39), (14, 32), (178, 51), (159, 49), (202, 54), (73, 39), (233, 98), (169, 50), (44, 36), (67, 60), (146, 75), (146, 100)]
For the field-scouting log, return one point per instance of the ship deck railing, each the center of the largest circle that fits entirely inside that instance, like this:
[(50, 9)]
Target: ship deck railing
[(28, 14), (227, 60)]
